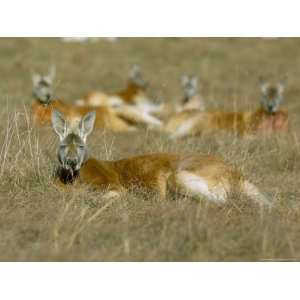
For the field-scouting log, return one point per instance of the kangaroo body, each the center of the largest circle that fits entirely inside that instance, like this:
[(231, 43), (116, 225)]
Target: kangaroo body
[(197, 175), (133, 95), (194, 175), (265, 120), (135, 113), (196, 102), (242, 123), (41, 113), (191, 104)]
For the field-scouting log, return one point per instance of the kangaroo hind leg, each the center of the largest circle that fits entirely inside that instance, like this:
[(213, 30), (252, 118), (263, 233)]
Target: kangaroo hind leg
[(197, 186)]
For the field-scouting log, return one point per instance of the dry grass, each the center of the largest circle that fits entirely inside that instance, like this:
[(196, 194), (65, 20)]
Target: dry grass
[(39, 221)]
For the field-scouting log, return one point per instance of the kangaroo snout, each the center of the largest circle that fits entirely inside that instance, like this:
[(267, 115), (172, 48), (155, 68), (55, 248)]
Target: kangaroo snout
[(72, 162), (270, 108), (48, 96)]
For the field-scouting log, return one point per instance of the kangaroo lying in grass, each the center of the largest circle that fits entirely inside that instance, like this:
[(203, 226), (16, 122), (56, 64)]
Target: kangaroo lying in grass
[(120, 120), (131, 104), (191, 103), (197, 175), (268, 118), (192, 99), (134, 95)]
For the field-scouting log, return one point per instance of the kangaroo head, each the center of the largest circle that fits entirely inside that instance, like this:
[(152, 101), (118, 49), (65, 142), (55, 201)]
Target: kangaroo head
[(190, 87), (72, 150), (43, 86), (136, 76), (272, 94)]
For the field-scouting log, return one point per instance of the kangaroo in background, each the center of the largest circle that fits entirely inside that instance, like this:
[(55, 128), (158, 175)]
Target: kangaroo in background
[(191, 104), (134, 94), (45, 103), (132, 104), (273, 118), (267, 119), (197, 175), (191, 100), (191, 97)]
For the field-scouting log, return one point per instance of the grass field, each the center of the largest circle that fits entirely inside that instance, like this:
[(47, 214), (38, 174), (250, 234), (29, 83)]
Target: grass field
[(41, 222)]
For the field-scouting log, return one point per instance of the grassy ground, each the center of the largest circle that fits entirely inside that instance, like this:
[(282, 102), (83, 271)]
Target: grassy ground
[(38, 221)]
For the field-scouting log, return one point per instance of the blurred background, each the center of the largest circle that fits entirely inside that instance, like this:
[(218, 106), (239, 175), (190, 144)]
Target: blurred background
[(228, 68)]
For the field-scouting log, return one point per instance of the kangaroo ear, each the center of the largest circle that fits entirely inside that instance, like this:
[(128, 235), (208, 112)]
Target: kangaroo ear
[(135, 71), (194, 80), (184, 79), (135, 68), (86, 124), (263, 84), (282, 84), (59, 124), (51, 75), (36, 78)]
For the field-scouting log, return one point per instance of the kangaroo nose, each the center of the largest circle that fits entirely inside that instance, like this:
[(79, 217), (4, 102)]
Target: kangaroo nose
[(271, 107), (72, 162)]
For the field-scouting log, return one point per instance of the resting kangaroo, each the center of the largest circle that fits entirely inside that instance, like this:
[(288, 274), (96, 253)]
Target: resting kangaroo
[(191, 101), (134, 95), (267, 119), (197, 175), (45, 103), (191, 97), (191, 104)]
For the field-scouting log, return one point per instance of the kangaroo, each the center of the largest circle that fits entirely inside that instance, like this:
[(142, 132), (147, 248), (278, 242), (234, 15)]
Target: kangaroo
[(191, 104), (45, 103), (197, 175), (44, 98), (268, 118), (132, 104), (134, 94), (191, 99)]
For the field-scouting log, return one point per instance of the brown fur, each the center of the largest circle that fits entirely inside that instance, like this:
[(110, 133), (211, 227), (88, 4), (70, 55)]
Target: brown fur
[(105, 117), (241, 123), (155, 172), (196, 102), (96, 98), (161, 172), (265, 120), (127, 108), (198, 175), (130, 95), (41, 114)]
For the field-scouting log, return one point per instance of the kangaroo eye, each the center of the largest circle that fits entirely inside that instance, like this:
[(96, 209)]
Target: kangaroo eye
[(81, 146)]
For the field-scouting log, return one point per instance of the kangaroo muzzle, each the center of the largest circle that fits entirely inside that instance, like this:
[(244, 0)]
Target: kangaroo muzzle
[(72, 163)]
